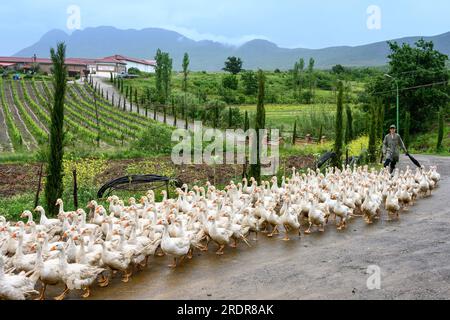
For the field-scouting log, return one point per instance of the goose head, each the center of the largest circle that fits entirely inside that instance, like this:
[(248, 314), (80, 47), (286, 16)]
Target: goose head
[(39, 209)]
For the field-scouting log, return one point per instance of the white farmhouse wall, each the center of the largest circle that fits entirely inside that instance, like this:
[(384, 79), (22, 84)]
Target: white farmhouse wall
[(139, 66)]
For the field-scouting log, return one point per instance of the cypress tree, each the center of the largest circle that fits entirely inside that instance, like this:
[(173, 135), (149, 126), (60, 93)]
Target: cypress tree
[(174, 117), (186, 123), (165, 113), (440, 130), (126, 92), (136, 101), (339, 138), (185, 77), (349, 127), (294, 135), (246, 122), (111, 77), (54, 184), (131, 99), (260, 123)]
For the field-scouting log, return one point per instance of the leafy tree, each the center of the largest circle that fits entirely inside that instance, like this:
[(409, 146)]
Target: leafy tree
[(233, 65), (338, 69), (250, 82), (415, 68), (339, 134), (260, 123), (406, 129), (380, 122), (373, 120), (163, 73), (230, 82), (54, 184)]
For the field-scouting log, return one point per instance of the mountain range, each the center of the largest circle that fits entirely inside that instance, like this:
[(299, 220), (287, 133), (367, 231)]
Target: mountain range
[(209, 55)]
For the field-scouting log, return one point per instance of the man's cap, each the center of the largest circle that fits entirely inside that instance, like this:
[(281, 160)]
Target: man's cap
[(393, 127)]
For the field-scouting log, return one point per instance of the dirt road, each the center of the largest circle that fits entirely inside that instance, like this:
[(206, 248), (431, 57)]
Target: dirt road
[(413, 255)]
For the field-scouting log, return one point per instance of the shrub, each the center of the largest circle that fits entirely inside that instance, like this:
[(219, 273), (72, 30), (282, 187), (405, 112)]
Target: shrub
[(154, 140), (134, 71), (230, 82)]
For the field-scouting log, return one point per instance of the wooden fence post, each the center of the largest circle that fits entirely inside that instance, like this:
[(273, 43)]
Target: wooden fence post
[(38, 191), (75, 189)]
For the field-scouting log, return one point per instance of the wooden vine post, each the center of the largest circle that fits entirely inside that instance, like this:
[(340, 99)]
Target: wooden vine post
[(98, 122)]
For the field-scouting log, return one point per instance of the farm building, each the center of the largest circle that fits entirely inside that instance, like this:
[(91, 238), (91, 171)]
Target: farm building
[(101, 67), (140, 64)]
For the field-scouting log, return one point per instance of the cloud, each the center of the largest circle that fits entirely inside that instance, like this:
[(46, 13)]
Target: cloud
[(197, 36)]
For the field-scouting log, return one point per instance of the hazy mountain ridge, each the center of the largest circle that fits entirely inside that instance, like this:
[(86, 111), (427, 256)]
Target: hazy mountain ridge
[(209, 55)]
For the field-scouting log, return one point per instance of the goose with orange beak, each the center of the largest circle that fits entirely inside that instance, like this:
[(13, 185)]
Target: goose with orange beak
[(76, 276)]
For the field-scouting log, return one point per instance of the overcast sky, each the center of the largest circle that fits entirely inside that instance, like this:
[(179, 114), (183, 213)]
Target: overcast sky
[(288, 23)]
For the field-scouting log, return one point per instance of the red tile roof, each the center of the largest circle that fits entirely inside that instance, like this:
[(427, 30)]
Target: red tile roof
[(69, 61)]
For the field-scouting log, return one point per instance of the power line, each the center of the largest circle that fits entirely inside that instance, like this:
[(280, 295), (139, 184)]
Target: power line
[(415, 87), (416, 71)]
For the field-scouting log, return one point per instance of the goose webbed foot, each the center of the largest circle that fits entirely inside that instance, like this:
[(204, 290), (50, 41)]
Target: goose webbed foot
[(220, 251), (104, 282), (126, 276), (42, 292), (87, 293), (174, 264), (62, 295)]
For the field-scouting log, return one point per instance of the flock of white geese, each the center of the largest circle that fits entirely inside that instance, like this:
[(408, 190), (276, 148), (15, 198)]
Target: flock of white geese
[(79, 249)]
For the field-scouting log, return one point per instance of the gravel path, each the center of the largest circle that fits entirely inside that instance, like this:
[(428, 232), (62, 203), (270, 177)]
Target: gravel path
[(108, 87)]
